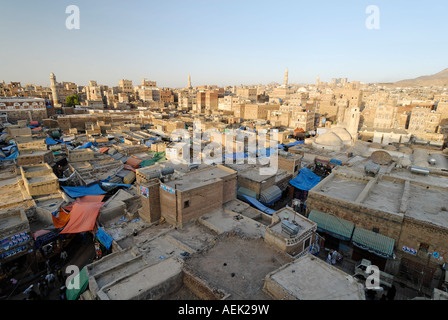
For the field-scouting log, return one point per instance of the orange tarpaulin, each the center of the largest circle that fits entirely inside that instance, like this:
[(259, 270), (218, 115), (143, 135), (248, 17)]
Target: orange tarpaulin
[(103, 150), (82, 217), (64, 213), (94, 198), (63, 216), (134, 161)]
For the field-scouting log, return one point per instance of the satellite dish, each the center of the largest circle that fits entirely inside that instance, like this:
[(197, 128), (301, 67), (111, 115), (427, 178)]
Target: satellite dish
[(381, 157)]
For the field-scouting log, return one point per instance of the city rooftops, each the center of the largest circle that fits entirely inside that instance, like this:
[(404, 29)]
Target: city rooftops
[(310, 278), (399, 192), (200, 177)]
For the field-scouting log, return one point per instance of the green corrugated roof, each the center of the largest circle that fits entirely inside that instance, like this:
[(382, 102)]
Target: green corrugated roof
[(336, 226), (372, 241)]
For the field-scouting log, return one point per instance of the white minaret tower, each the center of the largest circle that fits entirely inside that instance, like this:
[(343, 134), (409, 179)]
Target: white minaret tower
[(189, 81), (53, 89)]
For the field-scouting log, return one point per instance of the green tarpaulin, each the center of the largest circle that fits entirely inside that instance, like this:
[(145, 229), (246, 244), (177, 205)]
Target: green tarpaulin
[(159, 156), (77, 285)]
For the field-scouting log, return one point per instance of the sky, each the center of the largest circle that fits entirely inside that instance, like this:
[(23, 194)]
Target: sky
[(219, 42)]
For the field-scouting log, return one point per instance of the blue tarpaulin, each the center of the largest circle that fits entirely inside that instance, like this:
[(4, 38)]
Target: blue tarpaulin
[(104, 238), (76, 192), (335, 161), (292, 144), (238, 155), (306, 180), (110, 184), (257, 204), (281, 146), (50, 141), (13, 155), (85, 145), (266, 152)]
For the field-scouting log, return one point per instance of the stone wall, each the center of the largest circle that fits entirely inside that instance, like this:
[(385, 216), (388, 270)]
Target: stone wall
[(150, 210), (367, 218), (200, 201)]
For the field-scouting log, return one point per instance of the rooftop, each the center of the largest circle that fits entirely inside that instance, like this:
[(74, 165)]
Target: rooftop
[(310, 278), (198, 178)]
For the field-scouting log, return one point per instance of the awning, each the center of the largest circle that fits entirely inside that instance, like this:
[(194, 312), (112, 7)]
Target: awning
[(334, 226), (373, 242)]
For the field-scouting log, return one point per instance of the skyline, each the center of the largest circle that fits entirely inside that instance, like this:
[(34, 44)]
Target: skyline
[(221, 43)]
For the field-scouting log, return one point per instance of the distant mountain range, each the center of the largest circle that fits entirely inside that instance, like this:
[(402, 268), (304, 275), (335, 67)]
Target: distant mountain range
[(438, 79)]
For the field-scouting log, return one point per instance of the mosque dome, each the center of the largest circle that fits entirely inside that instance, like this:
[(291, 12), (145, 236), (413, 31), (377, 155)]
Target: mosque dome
[(343, 134), (329, 140)]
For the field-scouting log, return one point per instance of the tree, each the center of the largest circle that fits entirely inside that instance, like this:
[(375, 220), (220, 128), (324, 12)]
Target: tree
[(72, 100)]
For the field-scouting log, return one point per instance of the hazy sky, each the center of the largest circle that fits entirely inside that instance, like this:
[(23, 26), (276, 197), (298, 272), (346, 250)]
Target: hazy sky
[(221, 42)]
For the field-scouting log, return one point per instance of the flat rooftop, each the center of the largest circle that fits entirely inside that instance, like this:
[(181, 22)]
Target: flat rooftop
[(195, 179), (310, 278), (287, 214), (253, 174), (342, 187), (428, 204), (144, 283), (385, 195), (238, 266)]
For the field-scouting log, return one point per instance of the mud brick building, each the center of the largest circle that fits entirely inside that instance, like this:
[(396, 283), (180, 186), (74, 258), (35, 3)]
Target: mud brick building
[(397, 220)]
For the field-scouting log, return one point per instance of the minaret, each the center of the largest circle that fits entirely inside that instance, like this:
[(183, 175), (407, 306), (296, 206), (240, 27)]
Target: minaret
[(317, 81), (285, 79), (353, 123), (189, 81), (53, 89)]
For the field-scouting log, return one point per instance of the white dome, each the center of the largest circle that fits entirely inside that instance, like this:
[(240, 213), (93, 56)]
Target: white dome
[(342, 133), (329, 139)]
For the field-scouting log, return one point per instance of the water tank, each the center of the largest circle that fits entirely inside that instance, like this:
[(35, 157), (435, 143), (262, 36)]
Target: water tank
[(166, 171), (290, 228), (271, 194), (419, 170), (432, 161), (372, 168), (247, 192), (56, 134)]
